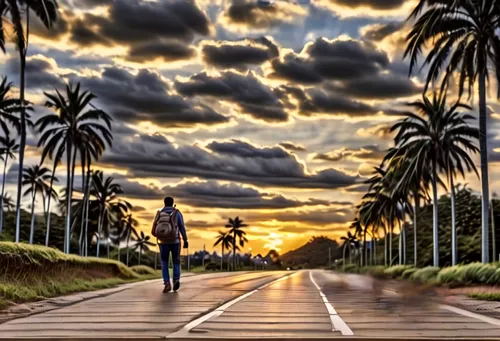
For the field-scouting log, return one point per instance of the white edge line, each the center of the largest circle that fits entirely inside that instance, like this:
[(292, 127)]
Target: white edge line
[(463, 312), (184, 331), (337, 323)]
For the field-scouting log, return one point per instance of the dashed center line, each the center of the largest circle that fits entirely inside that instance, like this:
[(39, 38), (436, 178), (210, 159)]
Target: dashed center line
[(184, 332), (337, 323)]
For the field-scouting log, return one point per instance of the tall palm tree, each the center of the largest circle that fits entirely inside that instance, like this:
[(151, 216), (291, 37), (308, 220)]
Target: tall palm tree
[(8, 148), (143, 243), (361, 232), (12, 10), (349, 241), (236, 226), (464, 40), (35, 179), (130, 232), (433, 137), (8, 203), (107, 192), (226, 241), (9, 107), (73, 125)]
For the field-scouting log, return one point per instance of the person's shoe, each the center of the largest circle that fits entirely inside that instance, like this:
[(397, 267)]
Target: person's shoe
[(167, 287), (177, 285)]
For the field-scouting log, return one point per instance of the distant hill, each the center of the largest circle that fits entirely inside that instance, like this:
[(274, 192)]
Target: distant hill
[(313, 254)]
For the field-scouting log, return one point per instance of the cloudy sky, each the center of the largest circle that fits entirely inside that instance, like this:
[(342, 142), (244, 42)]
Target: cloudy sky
[(274, 114)]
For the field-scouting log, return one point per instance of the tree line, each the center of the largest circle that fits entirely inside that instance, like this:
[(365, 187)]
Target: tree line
[(434, 142)]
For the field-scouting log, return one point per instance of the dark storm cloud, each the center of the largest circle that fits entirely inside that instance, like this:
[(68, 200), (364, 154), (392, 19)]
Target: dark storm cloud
[(84, 36), (378, 32), (250, 14), (320, 217), (375, 4), (163, 50), (317, 101), (247, 91), (239, 54), (59, 28), (39, 73), (165, 160), (245, 149), (292, 146), (134, 21), (214, 194), (366, 153), (146, 97), (382, 86), (330, 60)]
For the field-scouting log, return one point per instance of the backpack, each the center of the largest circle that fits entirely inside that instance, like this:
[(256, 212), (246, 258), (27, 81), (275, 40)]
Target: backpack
[(165, 227)]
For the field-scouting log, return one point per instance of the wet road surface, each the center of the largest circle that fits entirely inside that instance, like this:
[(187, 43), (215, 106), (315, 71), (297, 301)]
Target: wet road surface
[(305, 304)]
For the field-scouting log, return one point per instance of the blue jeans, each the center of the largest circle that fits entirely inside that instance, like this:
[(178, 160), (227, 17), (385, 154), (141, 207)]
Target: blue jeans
[(165, 250)]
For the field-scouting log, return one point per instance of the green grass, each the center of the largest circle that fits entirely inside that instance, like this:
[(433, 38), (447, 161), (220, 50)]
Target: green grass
[(145, 270), (32, 272), (486, 296)]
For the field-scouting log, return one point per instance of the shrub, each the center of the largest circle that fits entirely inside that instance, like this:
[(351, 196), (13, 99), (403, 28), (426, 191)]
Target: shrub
[(478, 273), (408, 273), (452, 276), (351, 268), (495, 278), (425, 275), (377, 271), (144, 270), (396, 271)]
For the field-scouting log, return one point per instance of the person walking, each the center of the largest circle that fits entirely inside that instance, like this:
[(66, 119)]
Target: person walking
[(168, 226)]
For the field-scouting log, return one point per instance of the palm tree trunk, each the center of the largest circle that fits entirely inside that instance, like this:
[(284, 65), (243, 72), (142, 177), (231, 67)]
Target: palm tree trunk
[(47, 233), (493, 234), (483, 144), (415, 213), (435, 225), (222, 259), (68, 198), (374, 251), (82, 221), (128, 249), (365, 249), (99, 231), (391, 230), (400, 244), (343, 256), (385, 246), (87, 206), (22, 143), (234, 251), (32, 226), (3, 191), (453, 223)]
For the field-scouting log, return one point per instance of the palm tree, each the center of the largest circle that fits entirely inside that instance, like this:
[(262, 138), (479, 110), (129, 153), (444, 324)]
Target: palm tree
[(226, 241), (35, 178), (106, 192), (130, 232), (361, 232), (433, 139), (8, 203), (464, 40), (349, 241), (9, 107), (8, 148), (236, 229), (143, 244), (46, 10), (67, 130)]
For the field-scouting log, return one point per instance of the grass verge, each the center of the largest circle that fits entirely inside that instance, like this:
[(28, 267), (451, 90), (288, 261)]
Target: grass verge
[(486, 296), (32, 273)]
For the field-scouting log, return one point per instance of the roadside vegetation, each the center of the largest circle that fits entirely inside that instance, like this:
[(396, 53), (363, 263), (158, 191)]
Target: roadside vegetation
[(32, 272)]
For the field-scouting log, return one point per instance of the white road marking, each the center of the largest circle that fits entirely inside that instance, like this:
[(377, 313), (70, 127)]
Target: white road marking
[(184, 332), (463, 312), (337, 323)]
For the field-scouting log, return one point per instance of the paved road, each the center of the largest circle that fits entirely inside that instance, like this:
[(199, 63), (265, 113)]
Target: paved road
[(306, 304)]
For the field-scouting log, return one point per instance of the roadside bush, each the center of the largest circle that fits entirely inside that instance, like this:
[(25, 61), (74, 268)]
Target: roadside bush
[(495, 278), (396, 271), (144, 270), (478, 273), (377, 271), (452, 276), (425, 275), (408, 273), (351, 268)]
